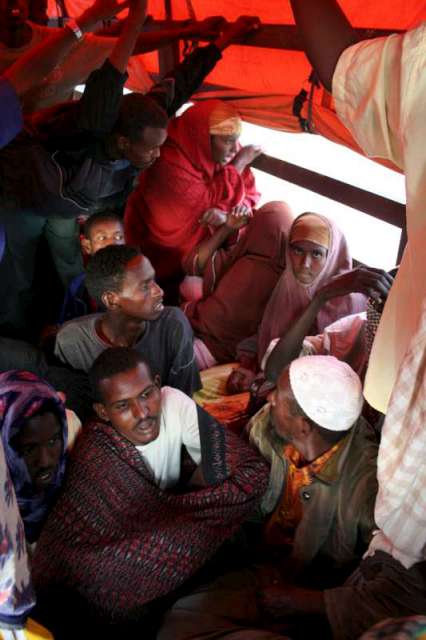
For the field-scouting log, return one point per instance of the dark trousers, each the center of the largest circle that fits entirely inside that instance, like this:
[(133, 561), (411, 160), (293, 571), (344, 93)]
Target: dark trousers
[(24, 232)]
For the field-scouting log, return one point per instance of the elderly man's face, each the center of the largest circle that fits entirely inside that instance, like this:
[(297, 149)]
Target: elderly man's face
[(131, 402), (283, 416)]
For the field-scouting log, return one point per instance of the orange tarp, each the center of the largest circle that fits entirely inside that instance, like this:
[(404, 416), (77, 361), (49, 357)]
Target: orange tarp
[(272, 77)]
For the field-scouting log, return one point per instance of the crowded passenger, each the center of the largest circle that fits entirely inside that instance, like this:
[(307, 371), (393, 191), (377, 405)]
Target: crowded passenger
[(19, 35), (378, 86), (35, 432), (100, 230), (158, 488), (317, 287), (132, 524), (123, 281), (201, 176), (237, 282), (86, 155), (320, 499), (16, 81)]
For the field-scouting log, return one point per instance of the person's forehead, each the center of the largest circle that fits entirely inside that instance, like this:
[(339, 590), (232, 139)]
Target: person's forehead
[(308, 245), (227, 138), (105, 226), (38, 428), (125, 385), (153, 136), (140, 268)]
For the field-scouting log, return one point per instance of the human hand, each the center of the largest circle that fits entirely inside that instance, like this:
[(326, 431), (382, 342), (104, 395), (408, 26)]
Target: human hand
[(214, 217), (208, 29), (239, 380), (244, 26), (245, 156), (373, 283), (239, 216)]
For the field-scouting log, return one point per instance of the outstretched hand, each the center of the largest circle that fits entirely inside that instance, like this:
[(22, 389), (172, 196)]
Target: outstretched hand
[(239, 216), (373, 283), (210, 28), (245, 156), (244, 26), (214, 217), (239, 380)]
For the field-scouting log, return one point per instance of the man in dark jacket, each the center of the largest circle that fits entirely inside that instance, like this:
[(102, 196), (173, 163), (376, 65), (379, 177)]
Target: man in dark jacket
[(84, 156)]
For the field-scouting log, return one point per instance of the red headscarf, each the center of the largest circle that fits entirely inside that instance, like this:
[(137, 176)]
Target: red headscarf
[(162, 215)]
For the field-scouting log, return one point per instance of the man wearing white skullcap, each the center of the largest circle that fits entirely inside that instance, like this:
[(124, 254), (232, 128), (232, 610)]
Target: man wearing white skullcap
[(323, 464), (321, 496), (317, 399)]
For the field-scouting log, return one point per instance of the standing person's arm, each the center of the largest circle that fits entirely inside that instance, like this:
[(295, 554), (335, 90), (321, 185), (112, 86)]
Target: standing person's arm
[(185, 79), (32, 67), (98, 108), (148, 41), (207, 247), (132, 28), (373, 283), (326, 33)]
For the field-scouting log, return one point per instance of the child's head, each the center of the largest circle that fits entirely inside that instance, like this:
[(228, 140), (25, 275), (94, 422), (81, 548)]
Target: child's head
[(101, 230)]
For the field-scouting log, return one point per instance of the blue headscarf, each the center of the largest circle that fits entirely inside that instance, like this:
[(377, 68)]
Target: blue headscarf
[(22, 396)]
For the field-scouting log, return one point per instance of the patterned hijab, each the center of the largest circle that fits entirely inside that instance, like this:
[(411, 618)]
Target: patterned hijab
[(23, 395)]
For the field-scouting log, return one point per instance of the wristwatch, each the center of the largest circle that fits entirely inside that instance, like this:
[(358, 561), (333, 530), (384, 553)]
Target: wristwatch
[(72, 24)]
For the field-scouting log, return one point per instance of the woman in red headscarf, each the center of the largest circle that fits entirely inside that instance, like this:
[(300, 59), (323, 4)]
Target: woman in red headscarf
[(199, 178)]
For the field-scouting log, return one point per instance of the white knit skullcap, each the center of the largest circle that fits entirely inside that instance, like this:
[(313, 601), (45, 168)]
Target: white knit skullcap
[(328, 391)]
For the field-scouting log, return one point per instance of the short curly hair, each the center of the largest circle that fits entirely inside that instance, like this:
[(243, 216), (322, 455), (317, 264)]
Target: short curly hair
[(105, 270), (111, 362), (137, 112)]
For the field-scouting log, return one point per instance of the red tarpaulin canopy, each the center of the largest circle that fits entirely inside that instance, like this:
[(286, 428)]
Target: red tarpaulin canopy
[(263, 80)]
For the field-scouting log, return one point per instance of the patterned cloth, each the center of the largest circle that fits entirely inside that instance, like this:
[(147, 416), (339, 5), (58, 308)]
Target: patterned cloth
[(230, 410), (117, 542), (401, 501), (23, 395), (379, 88), (413, 628), (16, 594)]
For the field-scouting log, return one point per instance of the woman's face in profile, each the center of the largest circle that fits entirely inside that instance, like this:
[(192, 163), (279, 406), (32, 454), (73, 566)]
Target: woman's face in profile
[(223, 148)]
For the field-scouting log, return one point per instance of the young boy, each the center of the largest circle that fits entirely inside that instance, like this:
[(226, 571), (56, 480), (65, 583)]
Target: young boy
[(123, 281), (100, 230)]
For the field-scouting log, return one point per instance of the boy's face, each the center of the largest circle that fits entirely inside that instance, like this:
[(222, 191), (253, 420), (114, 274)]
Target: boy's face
[(102, 234)]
